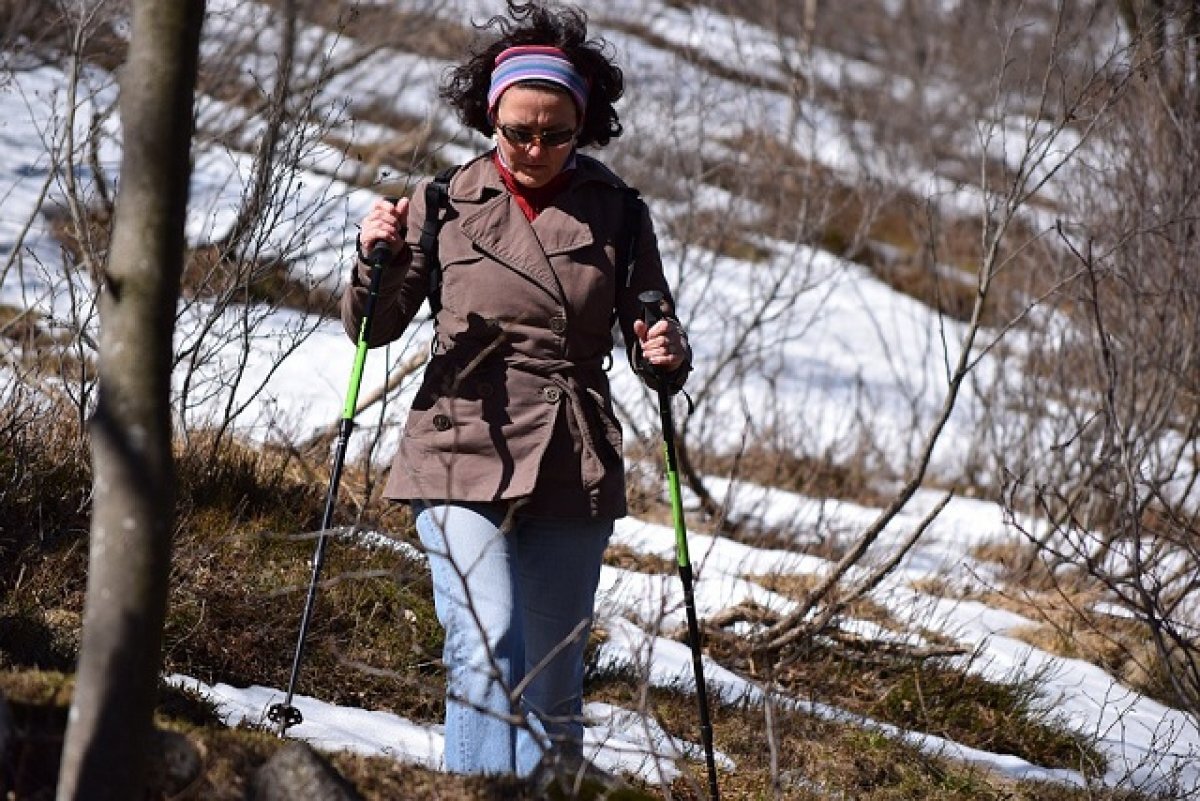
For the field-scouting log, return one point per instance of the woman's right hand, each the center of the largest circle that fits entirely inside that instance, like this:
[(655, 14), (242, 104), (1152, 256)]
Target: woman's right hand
[(386, 223)]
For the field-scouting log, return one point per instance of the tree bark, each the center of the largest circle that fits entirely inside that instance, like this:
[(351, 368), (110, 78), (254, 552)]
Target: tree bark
[(109, 736)]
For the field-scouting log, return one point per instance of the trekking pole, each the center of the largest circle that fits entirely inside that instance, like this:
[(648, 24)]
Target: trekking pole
[(652, 313), (284, 715)]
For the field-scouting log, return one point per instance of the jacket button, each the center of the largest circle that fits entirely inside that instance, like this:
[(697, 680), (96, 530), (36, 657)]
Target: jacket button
[(484, 389), (558, 324), (442, 422), (551, 394)]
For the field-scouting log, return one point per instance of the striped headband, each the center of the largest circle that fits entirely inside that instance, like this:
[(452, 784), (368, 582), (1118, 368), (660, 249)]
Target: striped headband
[(536, 63)]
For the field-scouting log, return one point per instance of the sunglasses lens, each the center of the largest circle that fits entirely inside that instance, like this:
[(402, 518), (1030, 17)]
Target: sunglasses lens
[(517, 136), (524, 137), (556, 138)]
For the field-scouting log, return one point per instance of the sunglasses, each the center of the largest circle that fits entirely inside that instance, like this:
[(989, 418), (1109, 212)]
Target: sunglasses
[(523, 137)]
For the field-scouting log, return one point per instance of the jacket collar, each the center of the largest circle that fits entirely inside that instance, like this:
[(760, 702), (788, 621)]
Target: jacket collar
[(497, 225), (479, 178)]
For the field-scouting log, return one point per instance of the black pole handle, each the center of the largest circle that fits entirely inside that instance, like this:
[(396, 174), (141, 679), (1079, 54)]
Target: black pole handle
[(652, 310), (381, 252)]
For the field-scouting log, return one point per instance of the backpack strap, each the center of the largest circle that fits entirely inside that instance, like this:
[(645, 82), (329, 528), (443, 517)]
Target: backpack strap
[(631, 226), (437, 201)]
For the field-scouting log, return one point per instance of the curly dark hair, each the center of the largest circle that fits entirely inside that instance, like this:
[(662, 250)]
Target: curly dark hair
[(465, 89)]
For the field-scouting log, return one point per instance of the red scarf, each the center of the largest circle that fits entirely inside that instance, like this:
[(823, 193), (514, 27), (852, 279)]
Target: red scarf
[(533, 201)]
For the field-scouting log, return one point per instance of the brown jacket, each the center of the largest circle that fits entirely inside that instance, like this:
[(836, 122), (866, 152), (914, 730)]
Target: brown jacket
[(515, 403)]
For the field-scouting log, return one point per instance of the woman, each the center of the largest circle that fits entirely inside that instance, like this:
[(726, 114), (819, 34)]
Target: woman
[(511, 455)]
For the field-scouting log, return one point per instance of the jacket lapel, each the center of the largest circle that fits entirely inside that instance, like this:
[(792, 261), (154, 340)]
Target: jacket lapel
[(499, 229), (560, 228)]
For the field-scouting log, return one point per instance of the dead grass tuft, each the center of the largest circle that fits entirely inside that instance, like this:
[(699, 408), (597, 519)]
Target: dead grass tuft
[(905, 687), (210, 271), (39, 701), (626, 558), (27, 329), (1069, 619), (240, 571), (711, 231), (242, 568), (889, 231), (45, 475), (794, 756), (800, 586), (788, 469), (417, 30), (1072, 625)]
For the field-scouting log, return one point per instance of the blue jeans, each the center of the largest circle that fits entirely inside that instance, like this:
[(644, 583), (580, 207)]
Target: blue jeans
[(516, 599)]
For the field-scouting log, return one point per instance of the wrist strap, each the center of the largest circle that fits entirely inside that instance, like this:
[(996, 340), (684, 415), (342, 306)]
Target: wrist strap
[(358, 247)]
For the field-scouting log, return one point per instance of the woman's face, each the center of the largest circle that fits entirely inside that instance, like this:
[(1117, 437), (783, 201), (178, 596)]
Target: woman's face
[(550, 117)]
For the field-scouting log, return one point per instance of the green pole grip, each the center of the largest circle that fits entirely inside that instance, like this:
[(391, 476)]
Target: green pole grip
[(360, 360), (681, 543), (378, 258)]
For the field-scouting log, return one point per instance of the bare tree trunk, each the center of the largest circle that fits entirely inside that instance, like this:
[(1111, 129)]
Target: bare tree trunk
[(105, 754)]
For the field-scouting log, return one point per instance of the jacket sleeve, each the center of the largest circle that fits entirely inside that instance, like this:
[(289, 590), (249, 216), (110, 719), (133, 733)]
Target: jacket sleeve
[(646, 273), (403, 286)]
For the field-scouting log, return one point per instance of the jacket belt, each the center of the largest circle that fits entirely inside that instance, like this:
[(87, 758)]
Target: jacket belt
[(564, 375)]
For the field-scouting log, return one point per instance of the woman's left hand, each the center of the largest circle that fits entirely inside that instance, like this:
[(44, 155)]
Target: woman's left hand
[(664, 346)]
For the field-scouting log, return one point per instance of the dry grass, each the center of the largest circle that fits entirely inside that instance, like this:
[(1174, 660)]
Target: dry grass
[(1066, 618), (1068, 624), (934, 259), (909, 689), (27, 330), (794, 756), (35, 30), (240, 572), (626, 558), (711, 230), (210, 271), (798, 587), (44, 494), (391, 26), (43, 351), (249, 517), (768, 465), (38, 702), (814, 758)]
